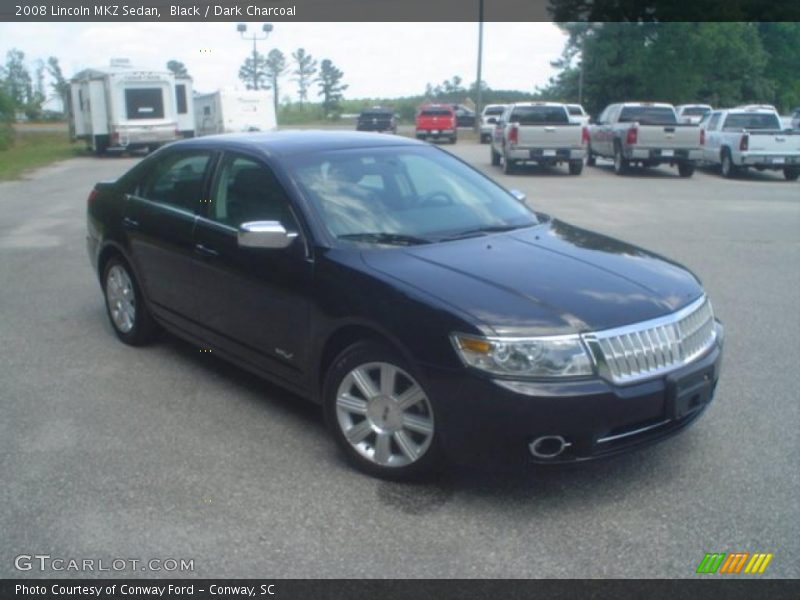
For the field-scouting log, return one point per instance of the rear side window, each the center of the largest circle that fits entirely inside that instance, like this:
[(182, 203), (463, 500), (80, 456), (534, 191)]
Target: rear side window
[(752, 121), (144, 103), (436, 112), (539, 115), (178, 180), (575, 111), (648, 115), (180, 96)]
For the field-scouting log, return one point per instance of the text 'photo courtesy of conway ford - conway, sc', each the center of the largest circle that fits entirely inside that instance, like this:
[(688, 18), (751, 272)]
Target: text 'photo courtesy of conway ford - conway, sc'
[(431, 312)]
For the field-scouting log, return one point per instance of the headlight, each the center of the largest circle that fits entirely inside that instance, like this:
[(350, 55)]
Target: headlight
[(557, 356)]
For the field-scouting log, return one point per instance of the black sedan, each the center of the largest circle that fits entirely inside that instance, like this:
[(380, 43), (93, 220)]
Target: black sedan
[(429, 310)]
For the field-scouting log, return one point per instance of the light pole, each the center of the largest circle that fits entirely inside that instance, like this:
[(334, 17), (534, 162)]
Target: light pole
[(479, 95), (266, 28)]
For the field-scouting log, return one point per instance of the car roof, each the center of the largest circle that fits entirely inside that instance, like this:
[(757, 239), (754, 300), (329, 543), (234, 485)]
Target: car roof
[(656, 104), (288, 143), (535, 103)]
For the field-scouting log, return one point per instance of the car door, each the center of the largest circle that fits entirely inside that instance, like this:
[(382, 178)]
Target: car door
[(159, 217), (254, 301), (713, 142)]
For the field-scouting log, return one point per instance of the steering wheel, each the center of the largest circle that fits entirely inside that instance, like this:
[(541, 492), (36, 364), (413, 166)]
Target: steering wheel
[(437, 198)]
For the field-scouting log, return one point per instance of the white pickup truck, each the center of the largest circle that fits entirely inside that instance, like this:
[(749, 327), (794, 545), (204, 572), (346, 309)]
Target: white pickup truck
[(540, 132), (750, 136), (646, 133)]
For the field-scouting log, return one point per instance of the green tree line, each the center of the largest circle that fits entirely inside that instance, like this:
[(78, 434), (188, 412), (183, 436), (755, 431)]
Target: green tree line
[(722, 64)]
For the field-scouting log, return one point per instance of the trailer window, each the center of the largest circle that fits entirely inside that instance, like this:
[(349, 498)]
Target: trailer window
[(144, 103), (180, 95)]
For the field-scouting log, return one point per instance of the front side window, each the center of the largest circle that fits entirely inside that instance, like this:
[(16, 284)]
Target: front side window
[(144, 103), (177, 180), (247, 191), (420, 194)]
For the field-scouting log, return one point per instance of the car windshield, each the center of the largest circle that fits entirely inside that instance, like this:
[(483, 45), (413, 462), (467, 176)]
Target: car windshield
[(403, 195), (648, 115), (752, 121)]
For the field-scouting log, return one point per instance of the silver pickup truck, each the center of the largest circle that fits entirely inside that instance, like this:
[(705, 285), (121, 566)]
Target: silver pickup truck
[(644, 133), (750, 136), (540, 132)]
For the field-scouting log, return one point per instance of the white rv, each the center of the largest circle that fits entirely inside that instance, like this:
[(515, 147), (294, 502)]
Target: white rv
[(120, 107), (230, 111)]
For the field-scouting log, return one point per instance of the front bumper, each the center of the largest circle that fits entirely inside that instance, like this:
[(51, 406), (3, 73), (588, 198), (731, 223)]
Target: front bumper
[(481, 421)]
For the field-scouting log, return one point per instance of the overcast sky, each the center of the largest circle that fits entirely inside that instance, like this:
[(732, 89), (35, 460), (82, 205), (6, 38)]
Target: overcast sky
[(378, 59)]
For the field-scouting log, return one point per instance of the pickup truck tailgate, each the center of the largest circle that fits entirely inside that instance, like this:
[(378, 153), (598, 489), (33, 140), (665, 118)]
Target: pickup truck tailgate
[(550, 136), (668, 136), (773, 142)]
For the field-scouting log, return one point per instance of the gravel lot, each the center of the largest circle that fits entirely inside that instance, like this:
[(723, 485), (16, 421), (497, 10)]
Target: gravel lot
[(111, 452)]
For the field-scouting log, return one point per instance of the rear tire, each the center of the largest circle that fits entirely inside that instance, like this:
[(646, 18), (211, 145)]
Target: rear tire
[(125, 305), (495, 156), (791, 173), (621, 165), (727, 168), (509, 165), (380, 414), (685, 169), (575, 167)]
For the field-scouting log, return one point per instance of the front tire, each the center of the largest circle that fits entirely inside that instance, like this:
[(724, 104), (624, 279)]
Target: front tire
[(509, 165), (125, 304), (591, 159), (380, 414)]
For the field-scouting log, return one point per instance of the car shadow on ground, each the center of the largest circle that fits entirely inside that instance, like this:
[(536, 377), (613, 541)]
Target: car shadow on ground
[(748, 175), (641, 172)]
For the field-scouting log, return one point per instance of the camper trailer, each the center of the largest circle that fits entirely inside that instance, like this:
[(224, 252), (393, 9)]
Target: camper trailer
[(230, 111), (120, 107)]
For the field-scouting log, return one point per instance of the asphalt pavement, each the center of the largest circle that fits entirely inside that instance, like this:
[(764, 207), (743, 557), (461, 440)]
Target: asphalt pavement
[(111, 452)]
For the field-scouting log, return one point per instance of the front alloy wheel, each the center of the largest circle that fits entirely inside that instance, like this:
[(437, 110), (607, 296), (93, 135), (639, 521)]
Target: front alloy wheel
[(380, 413)]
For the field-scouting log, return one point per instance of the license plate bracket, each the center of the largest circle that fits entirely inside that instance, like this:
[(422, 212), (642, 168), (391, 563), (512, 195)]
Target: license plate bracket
[(688, 393)]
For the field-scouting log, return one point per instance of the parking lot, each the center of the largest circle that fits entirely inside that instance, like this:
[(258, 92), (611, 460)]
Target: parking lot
[(108, 451)]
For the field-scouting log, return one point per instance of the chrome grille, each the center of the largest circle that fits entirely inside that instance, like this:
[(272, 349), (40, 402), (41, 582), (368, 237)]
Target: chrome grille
[(647, 349)]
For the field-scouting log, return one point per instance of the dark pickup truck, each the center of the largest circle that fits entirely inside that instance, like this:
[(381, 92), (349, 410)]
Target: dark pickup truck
[(377, 119)]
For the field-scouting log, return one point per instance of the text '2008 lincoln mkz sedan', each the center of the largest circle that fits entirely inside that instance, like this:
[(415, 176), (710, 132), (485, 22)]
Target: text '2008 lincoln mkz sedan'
[(430, 311)]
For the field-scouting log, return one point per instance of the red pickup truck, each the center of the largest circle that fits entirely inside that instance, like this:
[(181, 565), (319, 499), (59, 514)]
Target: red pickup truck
[(437, 121)]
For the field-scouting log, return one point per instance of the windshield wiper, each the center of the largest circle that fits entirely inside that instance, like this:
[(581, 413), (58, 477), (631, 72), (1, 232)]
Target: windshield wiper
[(383, 237), (478, 231)]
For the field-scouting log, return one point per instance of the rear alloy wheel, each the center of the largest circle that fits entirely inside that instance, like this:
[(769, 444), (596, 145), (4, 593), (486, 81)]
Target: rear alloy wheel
[(380, 414), (685, 169), (727, 167), (127, 312), (620, 164), (791, 173), (575, 167)]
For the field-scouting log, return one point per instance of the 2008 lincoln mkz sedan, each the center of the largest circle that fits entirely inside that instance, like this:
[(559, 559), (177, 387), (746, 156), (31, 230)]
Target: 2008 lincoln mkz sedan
[(430, 311)]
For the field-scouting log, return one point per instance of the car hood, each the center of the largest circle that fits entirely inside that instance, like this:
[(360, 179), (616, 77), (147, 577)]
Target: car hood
[(546, 280)]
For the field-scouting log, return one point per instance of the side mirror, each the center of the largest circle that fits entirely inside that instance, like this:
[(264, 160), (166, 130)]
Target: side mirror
[(491, 120), (519, 195), (264, 234)]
